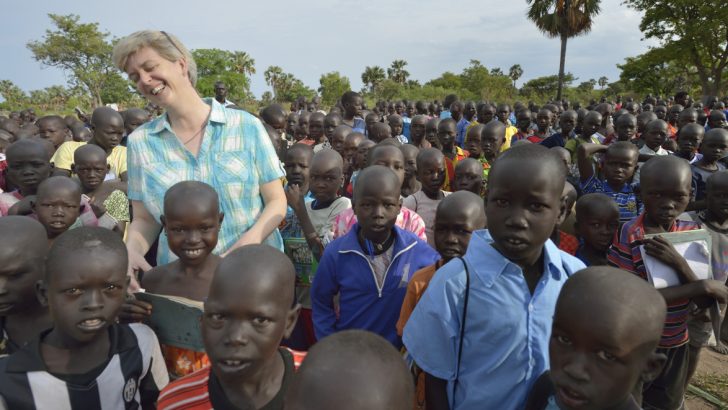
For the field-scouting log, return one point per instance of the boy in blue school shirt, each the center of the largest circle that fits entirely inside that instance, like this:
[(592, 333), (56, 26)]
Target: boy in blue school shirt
[(370, 266), (515, 274)]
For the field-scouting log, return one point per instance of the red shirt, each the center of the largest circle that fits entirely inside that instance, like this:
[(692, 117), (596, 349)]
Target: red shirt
[(192, 393)]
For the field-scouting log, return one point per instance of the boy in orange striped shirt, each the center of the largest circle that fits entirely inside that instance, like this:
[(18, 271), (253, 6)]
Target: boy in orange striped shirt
[(247, 313)]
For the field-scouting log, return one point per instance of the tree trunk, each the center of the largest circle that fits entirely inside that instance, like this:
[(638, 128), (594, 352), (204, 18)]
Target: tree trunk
[(562, 62)]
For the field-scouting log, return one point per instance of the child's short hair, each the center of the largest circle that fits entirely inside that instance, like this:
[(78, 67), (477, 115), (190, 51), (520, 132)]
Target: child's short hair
[(85, 239), (587, 202), (348, 364), (189, 189)]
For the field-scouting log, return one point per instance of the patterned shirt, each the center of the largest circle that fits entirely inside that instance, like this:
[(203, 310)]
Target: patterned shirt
[(131, 378), (625, 254), (236, 158), (407, 219), (450, 164), (627, 201), (201, 390)]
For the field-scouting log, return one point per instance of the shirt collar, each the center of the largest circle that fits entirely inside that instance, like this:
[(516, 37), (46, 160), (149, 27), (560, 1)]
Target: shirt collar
[(29, 359), (217, 115), (481, 253)]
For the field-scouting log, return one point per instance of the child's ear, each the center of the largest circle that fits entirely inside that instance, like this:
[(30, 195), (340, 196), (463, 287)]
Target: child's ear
[(32, 205), (108, 167), (291, 319), (653, 367), (73, 169), (562, 211), (41, 292), (163, 222), (222, 216)]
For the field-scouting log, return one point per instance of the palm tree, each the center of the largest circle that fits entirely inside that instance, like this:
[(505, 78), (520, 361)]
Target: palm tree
[(372, 77), (272, 77), (397, 73), (603, 81), (243, 63), (563, 19), (515, 72)]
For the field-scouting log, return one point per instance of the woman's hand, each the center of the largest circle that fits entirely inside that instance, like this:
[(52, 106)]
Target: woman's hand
[(137, 263)]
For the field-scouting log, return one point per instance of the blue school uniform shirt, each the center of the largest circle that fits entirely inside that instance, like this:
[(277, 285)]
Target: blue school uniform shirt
[(407, 123), (506, 337), (462, 129), (359, 125), (627, 201)]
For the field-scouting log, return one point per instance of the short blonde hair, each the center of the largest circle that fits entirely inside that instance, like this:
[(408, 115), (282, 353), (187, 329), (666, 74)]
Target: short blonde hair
[(166, 44)]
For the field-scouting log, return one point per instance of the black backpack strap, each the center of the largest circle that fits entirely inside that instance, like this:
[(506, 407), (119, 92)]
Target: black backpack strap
[(462, 325)]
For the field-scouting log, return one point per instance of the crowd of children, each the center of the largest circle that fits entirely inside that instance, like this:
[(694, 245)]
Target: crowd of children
[(459, 255)]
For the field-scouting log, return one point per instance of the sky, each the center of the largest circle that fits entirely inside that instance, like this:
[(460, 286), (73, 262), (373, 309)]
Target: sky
[(310, 38)]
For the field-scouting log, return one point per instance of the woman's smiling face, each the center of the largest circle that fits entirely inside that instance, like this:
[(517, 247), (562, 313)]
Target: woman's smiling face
[(155, 77)]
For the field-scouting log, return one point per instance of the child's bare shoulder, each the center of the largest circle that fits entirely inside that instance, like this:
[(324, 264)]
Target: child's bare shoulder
[(155, 279)]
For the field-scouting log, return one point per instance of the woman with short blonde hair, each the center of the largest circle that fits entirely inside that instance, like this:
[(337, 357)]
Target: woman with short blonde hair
[(196, 139)]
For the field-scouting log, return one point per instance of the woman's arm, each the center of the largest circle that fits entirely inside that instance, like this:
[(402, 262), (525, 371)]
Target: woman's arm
[(140, 237), (274, 200)]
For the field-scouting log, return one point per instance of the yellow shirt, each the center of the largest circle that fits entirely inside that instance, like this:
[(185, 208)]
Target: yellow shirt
[(63, 158), (510, 131)]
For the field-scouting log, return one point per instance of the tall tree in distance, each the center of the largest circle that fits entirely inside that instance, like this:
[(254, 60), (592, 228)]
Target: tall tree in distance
[(231, 67), (515, 72), (83, 52), (603, 81), (273, 76), (397, 73), (372, 77), (691, 33), (563, 19), (333, 86)]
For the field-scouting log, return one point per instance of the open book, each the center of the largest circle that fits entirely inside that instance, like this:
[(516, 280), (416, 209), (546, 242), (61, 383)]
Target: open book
[(175, 320), (695, 247)]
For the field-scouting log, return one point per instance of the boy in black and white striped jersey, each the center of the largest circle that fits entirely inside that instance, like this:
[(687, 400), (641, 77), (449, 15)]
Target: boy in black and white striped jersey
[(86, 361)]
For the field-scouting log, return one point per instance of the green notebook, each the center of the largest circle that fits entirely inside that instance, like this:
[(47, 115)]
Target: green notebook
[(175, 320)]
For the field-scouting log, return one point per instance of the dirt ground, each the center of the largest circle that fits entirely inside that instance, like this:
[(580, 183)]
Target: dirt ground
[(712, 371)]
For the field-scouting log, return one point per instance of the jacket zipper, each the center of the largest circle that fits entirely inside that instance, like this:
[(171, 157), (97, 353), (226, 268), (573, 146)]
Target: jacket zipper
[(386, 272)]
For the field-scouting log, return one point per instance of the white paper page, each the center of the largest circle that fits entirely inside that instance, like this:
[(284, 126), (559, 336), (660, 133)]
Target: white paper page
[(697, 255)]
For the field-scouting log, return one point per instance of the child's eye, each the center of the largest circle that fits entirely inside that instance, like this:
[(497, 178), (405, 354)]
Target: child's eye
[(216, 317), (538, 207), (73, 291), (606, 356), (112, 287), (501, 202), (261, 321), (563, 340)]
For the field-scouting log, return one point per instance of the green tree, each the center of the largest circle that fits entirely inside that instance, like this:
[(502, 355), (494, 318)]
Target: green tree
[(83, 52), (397, 73), (603, 81), (372, 77), (496, 71), (691, 33), (545, 87), (273, 76), (333, 86), (231, 67), (447, 80), (14, 97), (563, 19), (654, 72), (286, 87), (514, 73), (388, 89)]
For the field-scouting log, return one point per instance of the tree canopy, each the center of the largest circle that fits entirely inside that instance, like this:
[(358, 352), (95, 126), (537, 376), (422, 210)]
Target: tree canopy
[(691, 33)]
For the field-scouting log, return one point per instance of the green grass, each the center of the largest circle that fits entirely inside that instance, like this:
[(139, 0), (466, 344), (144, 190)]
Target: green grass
[(715, 384)]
